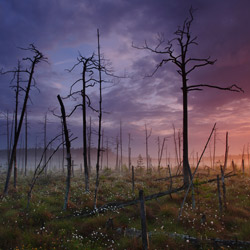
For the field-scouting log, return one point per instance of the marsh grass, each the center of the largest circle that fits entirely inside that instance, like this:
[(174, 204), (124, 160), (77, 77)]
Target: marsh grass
[(46, 226)]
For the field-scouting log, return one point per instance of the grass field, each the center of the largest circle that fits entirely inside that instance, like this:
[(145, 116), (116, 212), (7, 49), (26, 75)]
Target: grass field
[(46, 226)]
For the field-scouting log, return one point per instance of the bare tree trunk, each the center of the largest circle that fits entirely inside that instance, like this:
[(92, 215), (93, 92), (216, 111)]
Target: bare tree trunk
[(26, 144), (186, 167), (68, 146), (36, 59), (84, 127), (100, 123), (62, 149), (45, 142), (226, 153)]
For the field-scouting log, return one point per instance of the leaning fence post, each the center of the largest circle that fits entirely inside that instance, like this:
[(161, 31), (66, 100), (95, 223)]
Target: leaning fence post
[(219, 194), (144, 234)]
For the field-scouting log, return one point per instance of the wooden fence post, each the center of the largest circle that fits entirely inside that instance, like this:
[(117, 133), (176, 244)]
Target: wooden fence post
[(144, 234)]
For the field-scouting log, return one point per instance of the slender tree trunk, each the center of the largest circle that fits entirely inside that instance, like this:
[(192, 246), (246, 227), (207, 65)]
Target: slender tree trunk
[(13, 152), (84, 127), (226, 153), (15, 127), (186, 168), (100, 123), (68, 147), (62, 149)]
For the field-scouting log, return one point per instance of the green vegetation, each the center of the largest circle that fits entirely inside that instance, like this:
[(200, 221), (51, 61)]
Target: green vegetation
[(46, 226)]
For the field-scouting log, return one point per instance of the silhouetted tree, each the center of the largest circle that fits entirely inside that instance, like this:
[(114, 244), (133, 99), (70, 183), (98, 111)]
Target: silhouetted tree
[(37, 57), (176, 51), (89, 66)]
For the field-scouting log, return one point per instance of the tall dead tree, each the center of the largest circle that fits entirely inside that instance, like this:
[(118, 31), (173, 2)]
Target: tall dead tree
[(68, 146), (176, 51), (17, 91), (88, 67), (37, 57), (147, 135), (100, 121)]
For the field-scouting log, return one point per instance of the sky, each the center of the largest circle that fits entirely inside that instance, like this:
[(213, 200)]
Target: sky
[(61, 29)]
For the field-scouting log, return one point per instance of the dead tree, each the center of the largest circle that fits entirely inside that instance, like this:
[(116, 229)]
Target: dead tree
[(17, 90), (100, 121), (68, 147), (89, 66), (62, 149), (226, 153), (147, 134), (37, 57), (176, 51)]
